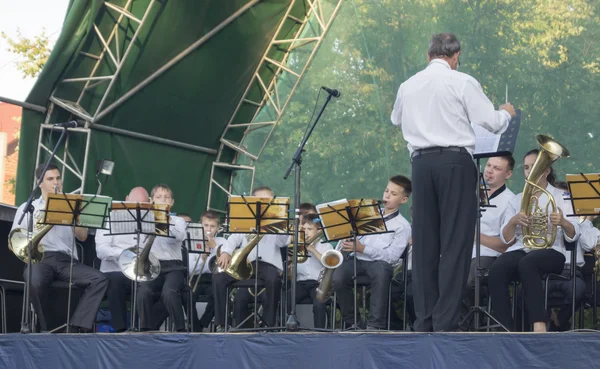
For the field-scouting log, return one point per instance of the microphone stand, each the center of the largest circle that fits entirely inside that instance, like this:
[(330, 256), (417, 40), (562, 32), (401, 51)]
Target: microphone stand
[(292, 323), (29, 209)]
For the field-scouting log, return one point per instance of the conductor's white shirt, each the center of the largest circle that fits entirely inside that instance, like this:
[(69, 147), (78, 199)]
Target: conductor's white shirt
[(435, 108)]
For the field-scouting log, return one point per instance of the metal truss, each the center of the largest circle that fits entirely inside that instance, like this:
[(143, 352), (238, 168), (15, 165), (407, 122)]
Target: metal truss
[(234, 157), (95, 84)]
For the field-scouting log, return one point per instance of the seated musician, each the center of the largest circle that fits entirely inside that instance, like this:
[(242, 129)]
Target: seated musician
[(57, 245), (528, 265), (167, 287), (559, 321), (108, 250), (270, 267), (200, 269), (308, 272), (399, 294), (375, 256), (497, 171)]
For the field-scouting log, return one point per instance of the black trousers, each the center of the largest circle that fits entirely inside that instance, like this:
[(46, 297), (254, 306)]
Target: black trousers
[(163, 292), (308, 290), (55, 266), (119, 287), (204, 289), (528, 268), (380, 273), (398, 294), (444, 215), (267, 275)]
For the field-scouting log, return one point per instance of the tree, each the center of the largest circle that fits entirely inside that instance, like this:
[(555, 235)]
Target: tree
[(33, 53), (543, 49)]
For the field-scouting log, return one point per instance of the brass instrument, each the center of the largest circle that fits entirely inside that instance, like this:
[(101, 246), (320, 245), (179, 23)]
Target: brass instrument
[(331, 259), (239, 267), (536, 235), (18, 240), (302, 251), (146, 266)]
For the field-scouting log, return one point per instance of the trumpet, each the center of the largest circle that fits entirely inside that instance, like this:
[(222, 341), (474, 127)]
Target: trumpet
[(331, 260), (302, 252)]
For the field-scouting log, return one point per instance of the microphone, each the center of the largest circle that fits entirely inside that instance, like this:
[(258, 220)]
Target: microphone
[(334, 93), (71, 124)]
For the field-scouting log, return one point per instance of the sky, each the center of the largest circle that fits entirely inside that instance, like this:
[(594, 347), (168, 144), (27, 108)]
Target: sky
[(31, 17)]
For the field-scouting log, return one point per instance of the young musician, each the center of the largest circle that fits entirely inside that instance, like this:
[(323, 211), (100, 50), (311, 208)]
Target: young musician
[(375, 256), (497, 171), (305, 209), (210, 222), (307, 276), (560, 321), (171, 280), (398, 292), (270, 266), (108, 250), (529, 265), (57, 245)]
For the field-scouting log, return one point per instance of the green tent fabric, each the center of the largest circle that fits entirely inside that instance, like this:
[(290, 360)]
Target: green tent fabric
[(191, 102)]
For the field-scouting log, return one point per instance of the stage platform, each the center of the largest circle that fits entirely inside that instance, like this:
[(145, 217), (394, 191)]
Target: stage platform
[(300, 350)]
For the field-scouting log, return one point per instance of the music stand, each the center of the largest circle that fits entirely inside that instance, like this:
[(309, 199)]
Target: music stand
[(585, 201), (195, 243), (73, 210), (259, 216), (345, 219), (488, 145), (135, 218)]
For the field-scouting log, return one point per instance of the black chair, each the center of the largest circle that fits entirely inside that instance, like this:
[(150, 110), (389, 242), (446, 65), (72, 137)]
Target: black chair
[(9, 286), (240, 284)]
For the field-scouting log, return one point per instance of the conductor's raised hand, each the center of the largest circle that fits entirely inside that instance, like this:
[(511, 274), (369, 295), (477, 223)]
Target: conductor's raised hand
[(509, 108)]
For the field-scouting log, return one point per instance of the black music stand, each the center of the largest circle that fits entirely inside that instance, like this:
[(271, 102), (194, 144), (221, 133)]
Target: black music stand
[(134, 218), (585, 201), (351, 215), (504, 146), (253, 223), (195, 243), (68, 210)]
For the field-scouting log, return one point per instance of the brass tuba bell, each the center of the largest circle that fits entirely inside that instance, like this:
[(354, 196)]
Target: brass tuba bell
[(331, 260), (18, 241), (536, 235)]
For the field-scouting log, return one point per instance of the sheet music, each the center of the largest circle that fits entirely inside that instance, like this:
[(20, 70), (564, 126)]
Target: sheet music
[(196, 232), (123, 222), (485, 141)]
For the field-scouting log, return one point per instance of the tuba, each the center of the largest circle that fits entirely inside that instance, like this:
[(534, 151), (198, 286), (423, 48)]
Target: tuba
[(18, 241), (142, 268), (331, 259), (537, 235), (239, 267)]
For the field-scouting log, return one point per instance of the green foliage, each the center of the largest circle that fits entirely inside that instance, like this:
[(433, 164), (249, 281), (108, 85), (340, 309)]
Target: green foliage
[(33, 53), (12, 182), (544, 50)]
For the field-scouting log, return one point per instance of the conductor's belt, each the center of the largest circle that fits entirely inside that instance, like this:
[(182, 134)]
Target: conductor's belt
[(436, 150)]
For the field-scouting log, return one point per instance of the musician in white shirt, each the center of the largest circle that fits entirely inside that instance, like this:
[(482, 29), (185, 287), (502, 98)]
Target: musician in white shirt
[(210, 223), (375, 256), (108, 249), (587, 241), (307, 275), (57, 245), (270, 266), (171, 280), (435, 109), (497, 171), (529, 265)]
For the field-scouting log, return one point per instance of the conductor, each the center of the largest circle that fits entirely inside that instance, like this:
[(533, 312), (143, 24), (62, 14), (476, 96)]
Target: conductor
[(435, 109)]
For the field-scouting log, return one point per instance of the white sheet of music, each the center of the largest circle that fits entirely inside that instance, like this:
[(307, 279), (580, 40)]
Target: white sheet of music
[(485, 141), (122, 222)]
